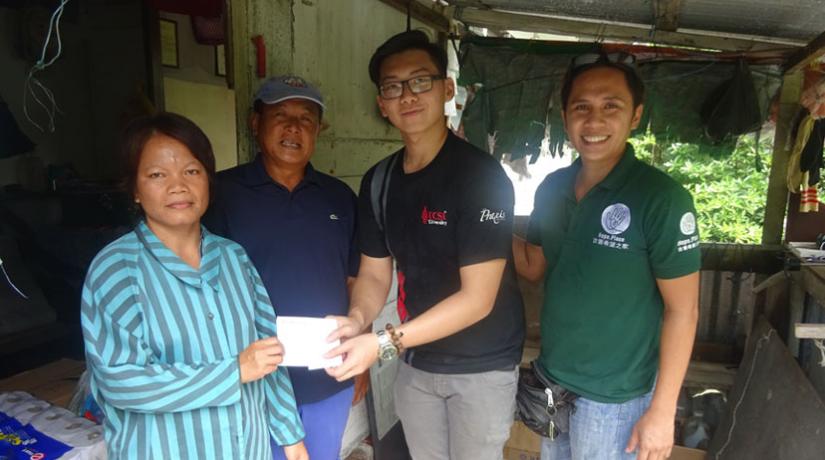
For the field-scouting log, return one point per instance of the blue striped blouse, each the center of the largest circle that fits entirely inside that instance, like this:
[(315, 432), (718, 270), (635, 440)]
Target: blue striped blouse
[(162, 343)]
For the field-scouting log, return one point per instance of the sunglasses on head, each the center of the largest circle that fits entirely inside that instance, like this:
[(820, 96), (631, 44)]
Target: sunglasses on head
[(624, 59)]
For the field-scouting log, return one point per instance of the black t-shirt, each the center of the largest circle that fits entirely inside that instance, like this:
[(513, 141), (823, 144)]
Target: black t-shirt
[(455, 212)]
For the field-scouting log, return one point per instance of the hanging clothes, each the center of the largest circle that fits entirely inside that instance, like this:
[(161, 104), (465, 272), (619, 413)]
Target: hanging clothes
[(810, 162), (806, 162), (732, 108), (813, 99)]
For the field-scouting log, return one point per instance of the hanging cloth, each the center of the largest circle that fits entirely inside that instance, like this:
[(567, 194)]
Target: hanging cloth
[(803, 132), (810, 162), (733, 107), (813, 99), (806, 161), (809, 201)]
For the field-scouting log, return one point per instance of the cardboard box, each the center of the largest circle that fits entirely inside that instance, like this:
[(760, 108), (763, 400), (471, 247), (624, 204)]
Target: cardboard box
[(523, 444), (521, 438), (686, 453), (516, 454)]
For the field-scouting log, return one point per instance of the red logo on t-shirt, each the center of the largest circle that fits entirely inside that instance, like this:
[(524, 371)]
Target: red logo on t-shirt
[(401, 305), (433, 217)]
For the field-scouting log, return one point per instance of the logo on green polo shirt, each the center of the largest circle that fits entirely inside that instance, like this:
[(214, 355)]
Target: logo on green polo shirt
[(616, 218), (688, 223)]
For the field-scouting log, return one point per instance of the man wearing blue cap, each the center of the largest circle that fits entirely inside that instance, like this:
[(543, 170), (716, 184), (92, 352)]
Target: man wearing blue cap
[(298, 226)]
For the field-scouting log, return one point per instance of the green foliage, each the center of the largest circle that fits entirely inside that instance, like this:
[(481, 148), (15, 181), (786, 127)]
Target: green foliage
[(729, 192)]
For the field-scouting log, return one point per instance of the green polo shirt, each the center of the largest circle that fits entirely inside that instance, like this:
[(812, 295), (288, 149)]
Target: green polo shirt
[(602, 312)]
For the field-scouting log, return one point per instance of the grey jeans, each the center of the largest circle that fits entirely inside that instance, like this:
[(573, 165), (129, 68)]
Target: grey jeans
[(455, 416)]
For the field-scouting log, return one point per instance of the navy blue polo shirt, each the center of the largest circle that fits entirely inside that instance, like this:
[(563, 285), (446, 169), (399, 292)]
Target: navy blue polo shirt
[(302, 243)]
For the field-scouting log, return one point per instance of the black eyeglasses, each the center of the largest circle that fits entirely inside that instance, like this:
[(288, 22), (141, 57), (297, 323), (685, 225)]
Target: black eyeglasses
[(417, 85), (624, 59)]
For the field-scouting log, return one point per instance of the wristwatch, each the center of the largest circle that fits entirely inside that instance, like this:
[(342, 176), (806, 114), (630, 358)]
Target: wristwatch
[(387, 351)]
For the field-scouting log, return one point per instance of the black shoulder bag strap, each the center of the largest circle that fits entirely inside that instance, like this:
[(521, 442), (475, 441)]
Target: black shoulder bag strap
[(379, 188)]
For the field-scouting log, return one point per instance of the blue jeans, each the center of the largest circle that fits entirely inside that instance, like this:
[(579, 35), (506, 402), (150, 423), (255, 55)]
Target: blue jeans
[(597, 431), (324, 422)]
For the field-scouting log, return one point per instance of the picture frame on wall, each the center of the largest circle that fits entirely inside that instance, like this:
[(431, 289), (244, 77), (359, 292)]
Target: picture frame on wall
[(169, 43), (220, 60)]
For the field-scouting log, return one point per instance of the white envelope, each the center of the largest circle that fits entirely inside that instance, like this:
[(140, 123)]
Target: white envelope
[(305, 341)]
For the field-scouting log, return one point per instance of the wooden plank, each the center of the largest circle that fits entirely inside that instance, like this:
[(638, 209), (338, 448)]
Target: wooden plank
[(809, 331), (55, 382), (713, 311), (756, 258), (796, 302), (777, 198), (771, 281), (704, 333), (528, 355), (813, 50), (813, 278), (666, 14), (726, 306), (711, 352), (154, 70), (699, 374), (240, 72), (709, 375), (432, 16), (774, 411), (742, 303), (593, 30), (729, 308)]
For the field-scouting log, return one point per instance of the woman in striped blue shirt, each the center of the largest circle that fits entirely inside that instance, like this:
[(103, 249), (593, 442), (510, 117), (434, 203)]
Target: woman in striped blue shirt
[(179, 330)]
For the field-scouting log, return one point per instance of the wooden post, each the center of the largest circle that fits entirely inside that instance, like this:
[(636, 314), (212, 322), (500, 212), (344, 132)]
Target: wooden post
[(272, 19), (809, 331), (796, 303), (434, 15), (813, 50), (239, 73), (666, 14), (151, 40), (777, 198), (657, 151)]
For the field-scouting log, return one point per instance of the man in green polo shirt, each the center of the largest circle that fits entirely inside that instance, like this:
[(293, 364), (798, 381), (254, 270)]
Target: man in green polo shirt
[(616, 243)]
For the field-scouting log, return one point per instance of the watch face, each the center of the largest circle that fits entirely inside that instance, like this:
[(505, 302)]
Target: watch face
[(388, 353), (386, 349)]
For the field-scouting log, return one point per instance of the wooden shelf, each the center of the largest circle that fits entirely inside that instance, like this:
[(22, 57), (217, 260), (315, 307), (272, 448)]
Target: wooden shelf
[(55, 382)]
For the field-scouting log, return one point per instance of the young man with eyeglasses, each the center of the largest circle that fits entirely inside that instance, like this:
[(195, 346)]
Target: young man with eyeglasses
[(448, 221), (616, 243)]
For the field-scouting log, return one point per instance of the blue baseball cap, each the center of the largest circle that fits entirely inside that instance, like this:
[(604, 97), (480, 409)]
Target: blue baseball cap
[(281, 88)]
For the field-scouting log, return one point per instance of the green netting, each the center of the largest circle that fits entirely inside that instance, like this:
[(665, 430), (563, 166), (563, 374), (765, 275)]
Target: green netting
[(518, 100), (518, 79), (677, 91)]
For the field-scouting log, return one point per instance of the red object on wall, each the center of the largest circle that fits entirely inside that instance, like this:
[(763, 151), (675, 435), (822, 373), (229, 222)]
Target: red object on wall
[(260, 53), (803, 226)]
